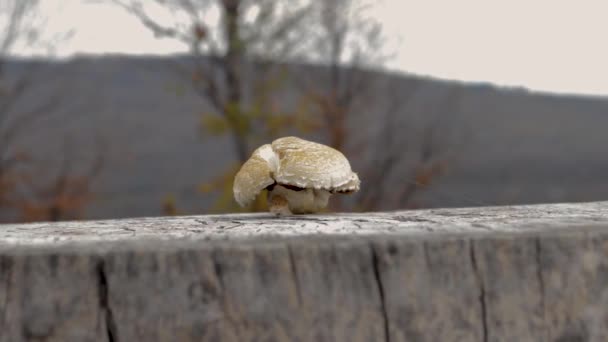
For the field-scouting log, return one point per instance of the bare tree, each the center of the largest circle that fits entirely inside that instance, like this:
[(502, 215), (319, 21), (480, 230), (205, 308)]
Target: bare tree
[(410, 153), (22, 27), (408, 156), (223, 38), (347, 42), (348, 45), (64, 195), (235, 52), (226, 36), (15, 30)]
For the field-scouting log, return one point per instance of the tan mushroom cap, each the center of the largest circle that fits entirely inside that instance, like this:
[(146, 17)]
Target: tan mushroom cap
[(307, 164), (254, 176), (295, 162)]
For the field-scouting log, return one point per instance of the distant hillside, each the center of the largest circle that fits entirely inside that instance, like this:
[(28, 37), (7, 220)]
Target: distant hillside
[(506, 145)]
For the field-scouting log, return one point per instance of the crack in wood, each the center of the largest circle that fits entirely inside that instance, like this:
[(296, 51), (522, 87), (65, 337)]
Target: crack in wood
[(541, 282), (381, 292), (427, 256), (104, 305), (294, 274), (6, 268), (503, 284), (305, 219), (403, 218), (217, 269), (482, 292)]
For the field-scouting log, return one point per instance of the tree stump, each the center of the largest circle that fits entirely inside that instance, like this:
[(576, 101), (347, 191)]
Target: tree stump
[(524, 273)]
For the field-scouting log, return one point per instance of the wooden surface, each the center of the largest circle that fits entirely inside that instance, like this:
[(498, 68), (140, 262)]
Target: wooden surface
[(529, 273)]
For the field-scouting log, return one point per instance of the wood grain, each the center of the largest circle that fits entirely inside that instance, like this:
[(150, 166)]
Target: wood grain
[(527, 273)]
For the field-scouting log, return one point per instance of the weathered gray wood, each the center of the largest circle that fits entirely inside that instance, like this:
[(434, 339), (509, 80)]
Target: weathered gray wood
[(528, 273)]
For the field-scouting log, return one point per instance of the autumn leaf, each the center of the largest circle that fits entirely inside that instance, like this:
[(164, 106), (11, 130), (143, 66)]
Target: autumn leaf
[(214, 124)]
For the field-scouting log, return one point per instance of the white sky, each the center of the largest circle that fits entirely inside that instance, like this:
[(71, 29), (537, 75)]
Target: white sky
[(551, 45)]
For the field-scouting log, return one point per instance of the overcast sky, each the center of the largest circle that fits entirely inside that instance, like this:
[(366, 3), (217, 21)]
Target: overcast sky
[(551, 45)]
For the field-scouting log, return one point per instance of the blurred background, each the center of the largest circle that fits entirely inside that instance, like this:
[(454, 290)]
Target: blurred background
[(122, 108)]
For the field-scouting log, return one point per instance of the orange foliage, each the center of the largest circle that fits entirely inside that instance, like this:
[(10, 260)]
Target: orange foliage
[(65, 199), (426, 174), (169, 206), (29, 194)]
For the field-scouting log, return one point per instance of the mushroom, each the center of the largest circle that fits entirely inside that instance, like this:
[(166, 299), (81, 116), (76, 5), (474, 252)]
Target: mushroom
[(299, 175)]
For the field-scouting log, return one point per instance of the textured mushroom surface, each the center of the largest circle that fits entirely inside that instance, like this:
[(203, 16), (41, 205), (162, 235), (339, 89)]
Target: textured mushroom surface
[(307, 164), (255, 175), (298, 173)]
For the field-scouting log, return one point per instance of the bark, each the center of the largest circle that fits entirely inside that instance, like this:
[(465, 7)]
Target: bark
[(232, 63), (529, 273)]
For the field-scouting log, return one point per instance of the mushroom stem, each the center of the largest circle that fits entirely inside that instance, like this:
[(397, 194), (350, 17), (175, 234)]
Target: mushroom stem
[(278, 204)]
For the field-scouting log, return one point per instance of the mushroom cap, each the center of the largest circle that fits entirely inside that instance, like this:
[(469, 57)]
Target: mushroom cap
[(255, 175), (307, 164), (295, 162)]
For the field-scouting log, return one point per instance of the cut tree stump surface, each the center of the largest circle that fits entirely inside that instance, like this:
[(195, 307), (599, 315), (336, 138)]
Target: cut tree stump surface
[(521, 273)]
